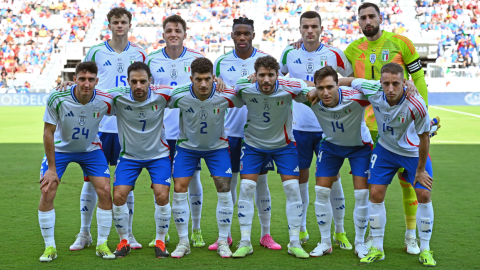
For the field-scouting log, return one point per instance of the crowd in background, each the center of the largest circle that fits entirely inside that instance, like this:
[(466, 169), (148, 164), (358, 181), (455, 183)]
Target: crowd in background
[(30, 30)]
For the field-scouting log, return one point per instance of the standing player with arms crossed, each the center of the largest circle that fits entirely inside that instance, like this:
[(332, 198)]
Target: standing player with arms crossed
[(202, 112), (70, 135), (301, 64), (140, 110), (269, 132), (403, 125), (367, 56), (230, 67), (113, 58)]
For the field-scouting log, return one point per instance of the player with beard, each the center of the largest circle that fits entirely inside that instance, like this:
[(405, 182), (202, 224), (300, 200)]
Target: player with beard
[(368, 55)]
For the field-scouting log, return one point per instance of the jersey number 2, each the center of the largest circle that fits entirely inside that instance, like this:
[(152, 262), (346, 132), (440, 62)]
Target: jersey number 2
[(77, 130), (204, 125)]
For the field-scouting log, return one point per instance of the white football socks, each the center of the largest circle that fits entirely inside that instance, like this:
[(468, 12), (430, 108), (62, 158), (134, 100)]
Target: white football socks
[(264, 205), (294, 208), (181, 214), (337, 200), (162, 221), (104, 224), (195, 197), (224, 214), (360, 215), (47, 226), (88, 201), (245, 207), (425, 224), (378, 220), (323, 211), (121, 220), (305, 202), (130, 205)]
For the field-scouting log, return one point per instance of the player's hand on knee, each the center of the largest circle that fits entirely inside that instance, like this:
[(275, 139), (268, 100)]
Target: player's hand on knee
[(63, 86), (411, 90), (252, 78), (47, 180), (424, 179), (220, 84)]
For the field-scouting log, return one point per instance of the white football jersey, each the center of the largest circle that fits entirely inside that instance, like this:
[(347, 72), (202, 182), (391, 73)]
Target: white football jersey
[(343, 124), (398, 125), (269, 118), (174, 73), (229, 67), (301, 64), (77, 124), (112, 71), (140, 124), (202, 122)]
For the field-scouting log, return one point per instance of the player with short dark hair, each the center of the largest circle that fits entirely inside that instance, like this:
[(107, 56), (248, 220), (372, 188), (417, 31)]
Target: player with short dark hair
[(70, 135), (269, 132), (230, 67), (202, 112)]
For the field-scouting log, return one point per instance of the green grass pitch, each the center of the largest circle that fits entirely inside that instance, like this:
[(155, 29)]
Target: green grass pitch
[(454, 153)]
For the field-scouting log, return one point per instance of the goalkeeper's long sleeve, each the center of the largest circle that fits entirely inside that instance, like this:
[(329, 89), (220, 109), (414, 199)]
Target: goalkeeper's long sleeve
[(419, 81)]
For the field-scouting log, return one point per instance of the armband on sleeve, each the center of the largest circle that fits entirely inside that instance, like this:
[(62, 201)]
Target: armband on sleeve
[(414, 66)]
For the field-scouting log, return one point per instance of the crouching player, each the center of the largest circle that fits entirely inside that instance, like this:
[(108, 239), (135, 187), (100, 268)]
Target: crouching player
[(403, 126), (140, 109), (202, 114), (340, 112), (72, 120)]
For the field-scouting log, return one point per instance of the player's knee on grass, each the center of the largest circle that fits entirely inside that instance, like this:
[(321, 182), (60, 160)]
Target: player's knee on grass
[(423, 195), (377, 193), (102, 188), (161, 193), (222, 183), (120, 194)]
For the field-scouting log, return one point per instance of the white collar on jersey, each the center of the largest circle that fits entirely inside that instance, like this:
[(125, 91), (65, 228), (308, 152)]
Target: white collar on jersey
[(72, 92), (149, 93), (401, 100), (276, 87), (211, 95), (253, 53), (112, 50), (317, 50), (340, 98), (181, 55)]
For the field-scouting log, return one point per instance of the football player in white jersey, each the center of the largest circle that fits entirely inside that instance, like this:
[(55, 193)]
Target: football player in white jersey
[(302, 64), (268, 131), (112, 58), (70, 135), (230, 67), (340, 113), (202, 112), (140, 107), (403, 125), (171, 66)]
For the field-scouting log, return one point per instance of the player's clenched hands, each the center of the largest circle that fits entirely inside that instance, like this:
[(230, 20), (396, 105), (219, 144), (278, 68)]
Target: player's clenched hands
[(411, 89), (47, 180), (312, 96), (424, 179), (63, 86)]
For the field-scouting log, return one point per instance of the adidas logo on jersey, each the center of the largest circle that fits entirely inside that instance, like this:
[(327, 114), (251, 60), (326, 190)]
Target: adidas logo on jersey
[(254, 100), (190, 110), (107, 171), (298, 61), (269, 165), (231, 69), (161, 70), (296, 169), (107, 63), (128, 108), (70, 114), (229, 170)]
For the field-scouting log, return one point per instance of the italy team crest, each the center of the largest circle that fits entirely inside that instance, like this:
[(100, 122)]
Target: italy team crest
[(347, 109), (401, 117), (96, 112), (203, 114), (387, 118), (120, 67), (142, 113), (323, 61), (280, 101), (373, 58), (187, 67), (335, 115), (132, 59), (155, 107), (216, 109), (82, 119), (244, 72), (266, 106), (385, 55), (173, 74)]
